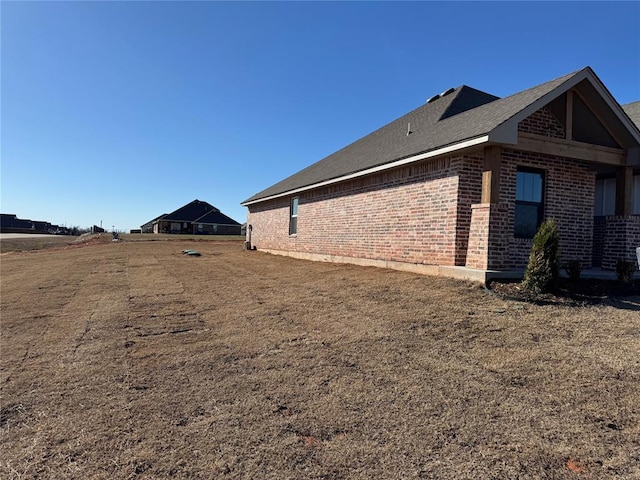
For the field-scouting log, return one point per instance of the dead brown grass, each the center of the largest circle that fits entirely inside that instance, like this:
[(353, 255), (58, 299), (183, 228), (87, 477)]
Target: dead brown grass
[(34, 242), (132, 360)]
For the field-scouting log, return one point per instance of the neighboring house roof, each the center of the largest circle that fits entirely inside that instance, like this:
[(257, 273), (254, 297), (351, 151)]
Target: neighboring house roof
[(460, 119), (196, 212), (9, 220), (190, 212), (216, 218), (633, 110), (151, 222)]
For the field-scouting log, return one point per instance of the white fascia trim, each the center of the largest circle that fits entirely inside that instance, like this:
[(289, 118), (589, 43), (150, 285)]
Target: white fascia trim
[(379, 168)]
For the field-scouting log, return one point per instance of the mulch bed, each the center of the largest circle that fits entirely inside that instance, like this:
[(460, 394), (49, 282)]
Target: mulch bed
[(583, 291)]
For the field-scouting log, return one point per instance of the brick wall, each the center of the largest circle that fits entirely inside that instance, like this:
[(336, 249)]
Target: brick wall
[(423, 214), (414, 214), (270, 224), (544, 123), (478, 251), (470, 192), (622, 237), (568, 197), (599, 229), (489, 238)]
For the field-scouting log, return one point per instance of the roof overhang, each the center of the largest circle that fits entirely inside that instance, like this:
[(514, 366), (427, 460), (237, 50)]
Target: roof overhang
[(456, 147)]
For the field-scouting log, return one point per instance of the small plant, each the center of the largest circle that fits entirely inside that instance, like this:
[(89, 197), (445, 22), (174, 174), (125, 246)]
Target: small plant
[(624, 270), (543, 267), (573, 269)]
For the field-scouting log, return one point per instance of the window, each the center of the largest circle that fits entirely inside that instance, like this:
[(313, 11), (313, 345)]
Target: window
[(529, 207), (293, 216), (605, 197), (636, 195)]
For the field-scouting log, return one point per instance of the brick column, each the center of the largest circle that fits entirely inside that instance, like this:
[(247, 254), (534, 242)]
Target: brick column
[(599, 231), (621, 238), (488, 240)]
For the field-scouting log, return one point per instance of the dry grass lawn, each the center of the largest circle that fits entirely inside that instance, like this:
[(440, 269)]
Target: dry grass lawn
[(131, 360)]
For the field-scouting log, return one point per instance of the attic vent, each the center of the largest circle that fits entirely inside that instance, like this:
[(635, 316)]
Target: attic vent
[(436, 97)]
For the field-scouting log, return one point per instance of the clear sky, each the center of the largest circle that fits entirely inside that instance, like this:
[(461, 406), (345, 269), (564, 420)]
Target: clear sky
[(121, 111)]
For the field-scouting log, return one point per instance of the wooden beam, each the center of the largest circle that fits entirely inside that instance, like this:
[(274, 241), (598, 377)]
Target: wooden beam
[(624, 190), (571, 149), (568, 129), (491, 175)]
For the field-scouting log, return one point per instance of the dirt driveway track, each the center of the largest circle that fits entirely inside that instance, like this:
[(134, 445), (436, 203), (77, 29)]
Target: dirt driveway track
[(133, 360)]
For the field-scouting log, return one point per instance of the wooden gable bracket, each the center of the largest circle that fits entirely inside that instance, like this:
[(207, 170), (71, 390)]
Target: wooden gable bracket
[(571, 149)]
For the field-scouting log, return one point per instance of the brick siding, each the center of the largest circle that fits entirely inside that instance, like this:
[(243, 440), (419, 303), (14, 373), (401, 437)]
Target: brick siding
[(599, 230), (544, 123), (489, 238), (622, 237), (414, 214), (429, 213), (569, 189)]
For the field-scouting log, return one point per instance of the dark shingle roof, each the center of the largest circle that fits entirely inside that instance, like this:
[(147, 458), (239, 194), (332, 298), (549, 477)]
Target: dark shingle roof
[(155, 219), (191, 211), (633, 111), (465, 114), (216, 217), (9, 220)]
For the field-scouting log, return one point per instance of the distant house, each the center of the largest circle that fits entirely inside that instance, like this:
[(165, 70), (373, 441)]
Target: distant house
[(10, 223), (151, 224), (459, 185), (197, 217)]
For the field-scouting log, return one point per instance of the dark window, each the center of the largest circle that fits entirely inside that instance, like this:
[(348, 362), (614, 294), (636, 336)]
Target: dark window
[(293, 216), (529, 206)]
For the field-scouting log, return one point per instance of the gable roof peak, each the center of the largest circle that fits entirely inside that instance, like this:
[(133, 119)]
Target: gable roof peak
[(467, 98)]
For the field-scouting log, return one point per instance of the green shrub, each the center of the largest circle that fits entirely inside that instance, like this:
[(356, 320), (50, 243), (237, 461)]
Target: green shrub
[(573, 269), (624, 270), (543, 267)]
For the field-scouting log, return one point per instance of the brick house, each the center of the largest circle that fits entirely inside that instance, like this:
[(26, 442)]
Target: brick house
[(459, 185), (197, 217)]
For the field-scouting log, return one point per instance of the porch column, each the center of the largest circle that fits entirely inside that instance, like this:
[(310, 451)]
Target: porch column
[(624, 191), (621, 238), (488, 245), (491, 175), (488, 239)]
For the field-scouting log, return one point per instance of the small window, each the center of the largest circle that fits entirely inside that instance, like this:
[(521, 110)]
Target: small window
[(293, 216), (529, 205)]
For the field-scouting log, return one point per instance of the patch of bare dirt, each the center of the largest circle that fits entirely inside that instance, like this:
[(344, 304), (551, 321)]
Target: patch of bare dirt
[(133, 360)]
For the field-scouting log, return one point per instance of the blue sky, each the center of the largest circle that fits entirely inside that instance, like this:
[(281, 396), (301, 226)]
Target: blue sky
[(121, 111)]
